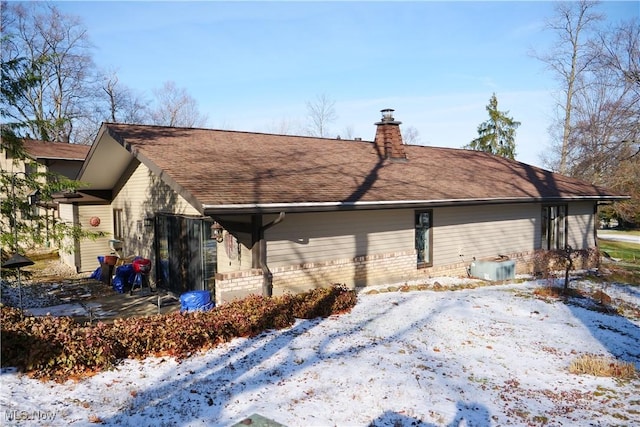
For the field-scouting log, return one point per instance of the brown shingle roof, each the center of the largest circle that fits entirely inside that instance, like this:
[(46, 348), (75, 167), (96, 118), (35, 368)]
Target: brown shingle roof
[(222, 168), (55, 150)]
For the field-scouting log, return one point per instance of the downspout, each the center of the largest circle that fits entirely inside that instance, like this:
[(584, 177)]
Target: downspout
[(267, 276)]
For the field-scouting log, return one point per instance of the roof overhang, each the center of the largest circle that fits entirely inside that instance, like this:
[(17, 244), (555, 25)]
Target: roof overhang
[(68, 159), (106, 162), (84, 197), (266, 208)]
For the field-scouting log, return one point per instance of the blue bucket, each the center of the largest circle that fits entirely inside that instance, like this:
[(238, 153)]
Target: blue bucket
[(196, 301)]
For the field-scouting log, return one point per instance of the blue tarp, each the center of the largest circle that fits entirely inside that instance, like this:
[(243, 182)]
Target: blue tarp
[(196, 301), (124, 276), (97, 274)]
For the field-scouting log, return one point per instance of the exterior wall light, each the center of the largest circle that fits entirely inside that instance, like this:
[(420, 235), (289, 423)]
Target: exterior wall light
[(148, 222), (217, 232)]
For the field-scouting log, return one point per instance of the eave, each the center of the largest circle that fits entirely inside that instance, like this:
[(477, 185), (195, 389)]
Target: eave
[(266, 208)]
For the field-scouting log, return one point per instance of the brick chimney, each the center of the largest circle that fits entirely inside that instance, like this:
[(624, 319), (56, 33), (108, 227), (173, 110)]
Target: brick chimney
[(388, 140)]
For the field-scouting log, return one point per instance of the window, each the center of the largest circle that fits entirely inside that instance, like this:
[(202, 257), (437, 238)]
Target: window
[(554, 227), (424, 246), (30, 169), (118, 226)]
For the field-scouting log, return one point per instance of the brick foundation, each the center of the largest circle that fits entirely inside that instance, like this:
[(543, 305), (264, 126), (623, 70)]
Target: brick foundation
[(237, 284), (356, 272)]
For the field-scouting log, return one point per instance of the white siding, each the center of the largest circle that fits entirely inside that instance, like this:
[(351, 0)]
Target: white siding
[(315, 237), (484, 231), (581, 225)]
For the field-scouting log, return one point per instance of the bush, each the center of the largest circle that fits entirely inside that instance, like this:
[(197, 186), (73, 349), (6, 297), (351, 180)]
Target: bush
[(547, 261), (323, 302), (58, 348)]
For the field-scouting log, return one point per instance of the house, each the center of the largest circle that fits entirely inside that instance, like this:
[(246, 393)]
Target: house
[(59, 158), (243, 212)]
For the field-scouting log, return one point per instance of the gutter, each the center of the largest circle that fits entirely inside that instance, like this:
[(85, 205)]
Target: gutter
[(241, 208), (267, 276)]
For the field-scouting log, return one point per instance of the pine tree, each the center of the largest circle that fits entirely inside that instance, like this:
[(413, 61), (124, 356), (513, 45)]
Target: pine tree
[(17, 218), (496, 135)]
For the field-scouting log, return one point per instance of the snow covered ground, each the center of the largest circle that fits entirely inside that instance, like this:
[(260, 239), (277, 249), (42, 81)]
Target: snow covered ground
[(618, 236), (488, 356)]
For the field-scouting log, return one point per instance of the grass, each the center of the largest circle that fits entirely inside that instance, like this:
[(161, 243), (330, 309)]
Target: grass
[(625, 251), (602, 367), (628, 268)]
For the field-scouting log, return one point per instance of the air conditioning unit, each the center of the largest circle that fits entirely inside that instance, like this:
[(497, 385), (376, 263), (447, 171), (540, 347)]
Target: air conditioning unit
[(494, 270)]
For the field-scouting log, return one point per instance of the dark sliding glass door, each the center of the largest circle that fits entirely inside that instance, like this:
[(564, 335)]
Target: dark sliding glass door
[(186, 253)]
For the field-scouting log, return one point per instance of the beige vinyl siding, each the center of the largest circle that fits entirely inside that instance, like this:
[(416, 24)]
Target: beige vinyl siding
[(484, 231), (91, 249), (233, 254), (66, 214), (315, 237), (141, 195), (581, 225)]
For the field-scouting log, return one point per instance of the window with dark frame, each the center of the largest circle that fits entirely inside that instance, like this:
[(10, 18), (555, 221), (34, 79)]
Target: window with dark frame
[(423, 236), (118, 226), (554, 227)]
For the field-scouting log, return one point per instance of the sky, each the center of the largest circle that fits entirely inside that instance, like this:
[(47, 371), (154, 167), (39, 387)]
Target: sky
[(254, 66), (490, 356)]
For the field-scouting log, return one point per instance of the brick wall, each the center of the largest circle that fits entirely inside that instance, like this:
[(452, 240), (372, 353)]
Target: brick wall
[(356, 272), (237, 284), (524, 265)]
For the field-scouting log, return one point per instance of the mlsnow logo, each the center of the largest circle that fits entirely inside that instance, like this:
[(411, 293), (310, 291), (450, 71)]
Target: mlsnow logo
[(16, 415)]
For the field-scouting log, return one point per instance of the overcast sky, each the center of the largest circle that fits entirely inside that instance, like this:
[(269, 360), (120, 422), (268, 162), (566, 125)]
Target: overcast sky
[(254, 65)]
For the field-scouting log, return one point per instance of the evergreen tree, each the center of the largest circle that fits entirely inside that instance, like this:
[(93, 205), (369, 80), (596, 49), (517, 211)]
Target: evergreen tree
[(496, 135), (17, 216)]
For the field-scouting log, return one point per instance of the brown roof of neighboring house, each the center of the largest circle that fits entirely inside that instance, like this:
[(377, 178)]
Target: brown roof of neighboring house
[(55, 150), (255, 171)]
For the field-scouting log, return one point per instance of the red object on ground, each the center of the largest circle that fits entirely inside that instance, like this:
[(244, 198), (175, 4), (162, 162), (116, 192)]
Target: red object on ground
[(142, 265)]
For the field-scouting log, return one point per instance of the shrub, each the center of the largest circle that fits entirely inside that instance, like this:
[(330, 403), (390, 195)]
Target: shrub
[(545, 262), (602, 367), (323, 302), (59, 348)]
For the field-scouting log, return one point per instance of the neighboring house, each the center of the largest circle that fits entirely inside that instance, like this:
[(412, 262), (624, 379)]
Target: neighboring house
[(55, 157), (242, 212)]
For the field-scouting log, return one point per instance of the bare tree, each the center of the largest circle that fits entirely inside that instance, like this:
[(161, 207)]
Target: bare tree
[(124, 105), (175, 107), (284, 127), (569, 59), (606, 129), (321, 113), (347, 132), (411, 135), (114, 102), (57, 52)]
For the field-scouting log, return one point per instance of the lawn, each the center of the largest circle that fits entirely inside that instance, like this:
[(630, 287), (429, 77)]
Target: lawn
[(625, 251)]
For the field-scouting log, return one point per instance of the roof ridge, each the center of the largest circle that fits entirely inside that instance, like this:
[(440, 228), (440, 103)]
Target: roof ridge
[(237, 131)]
